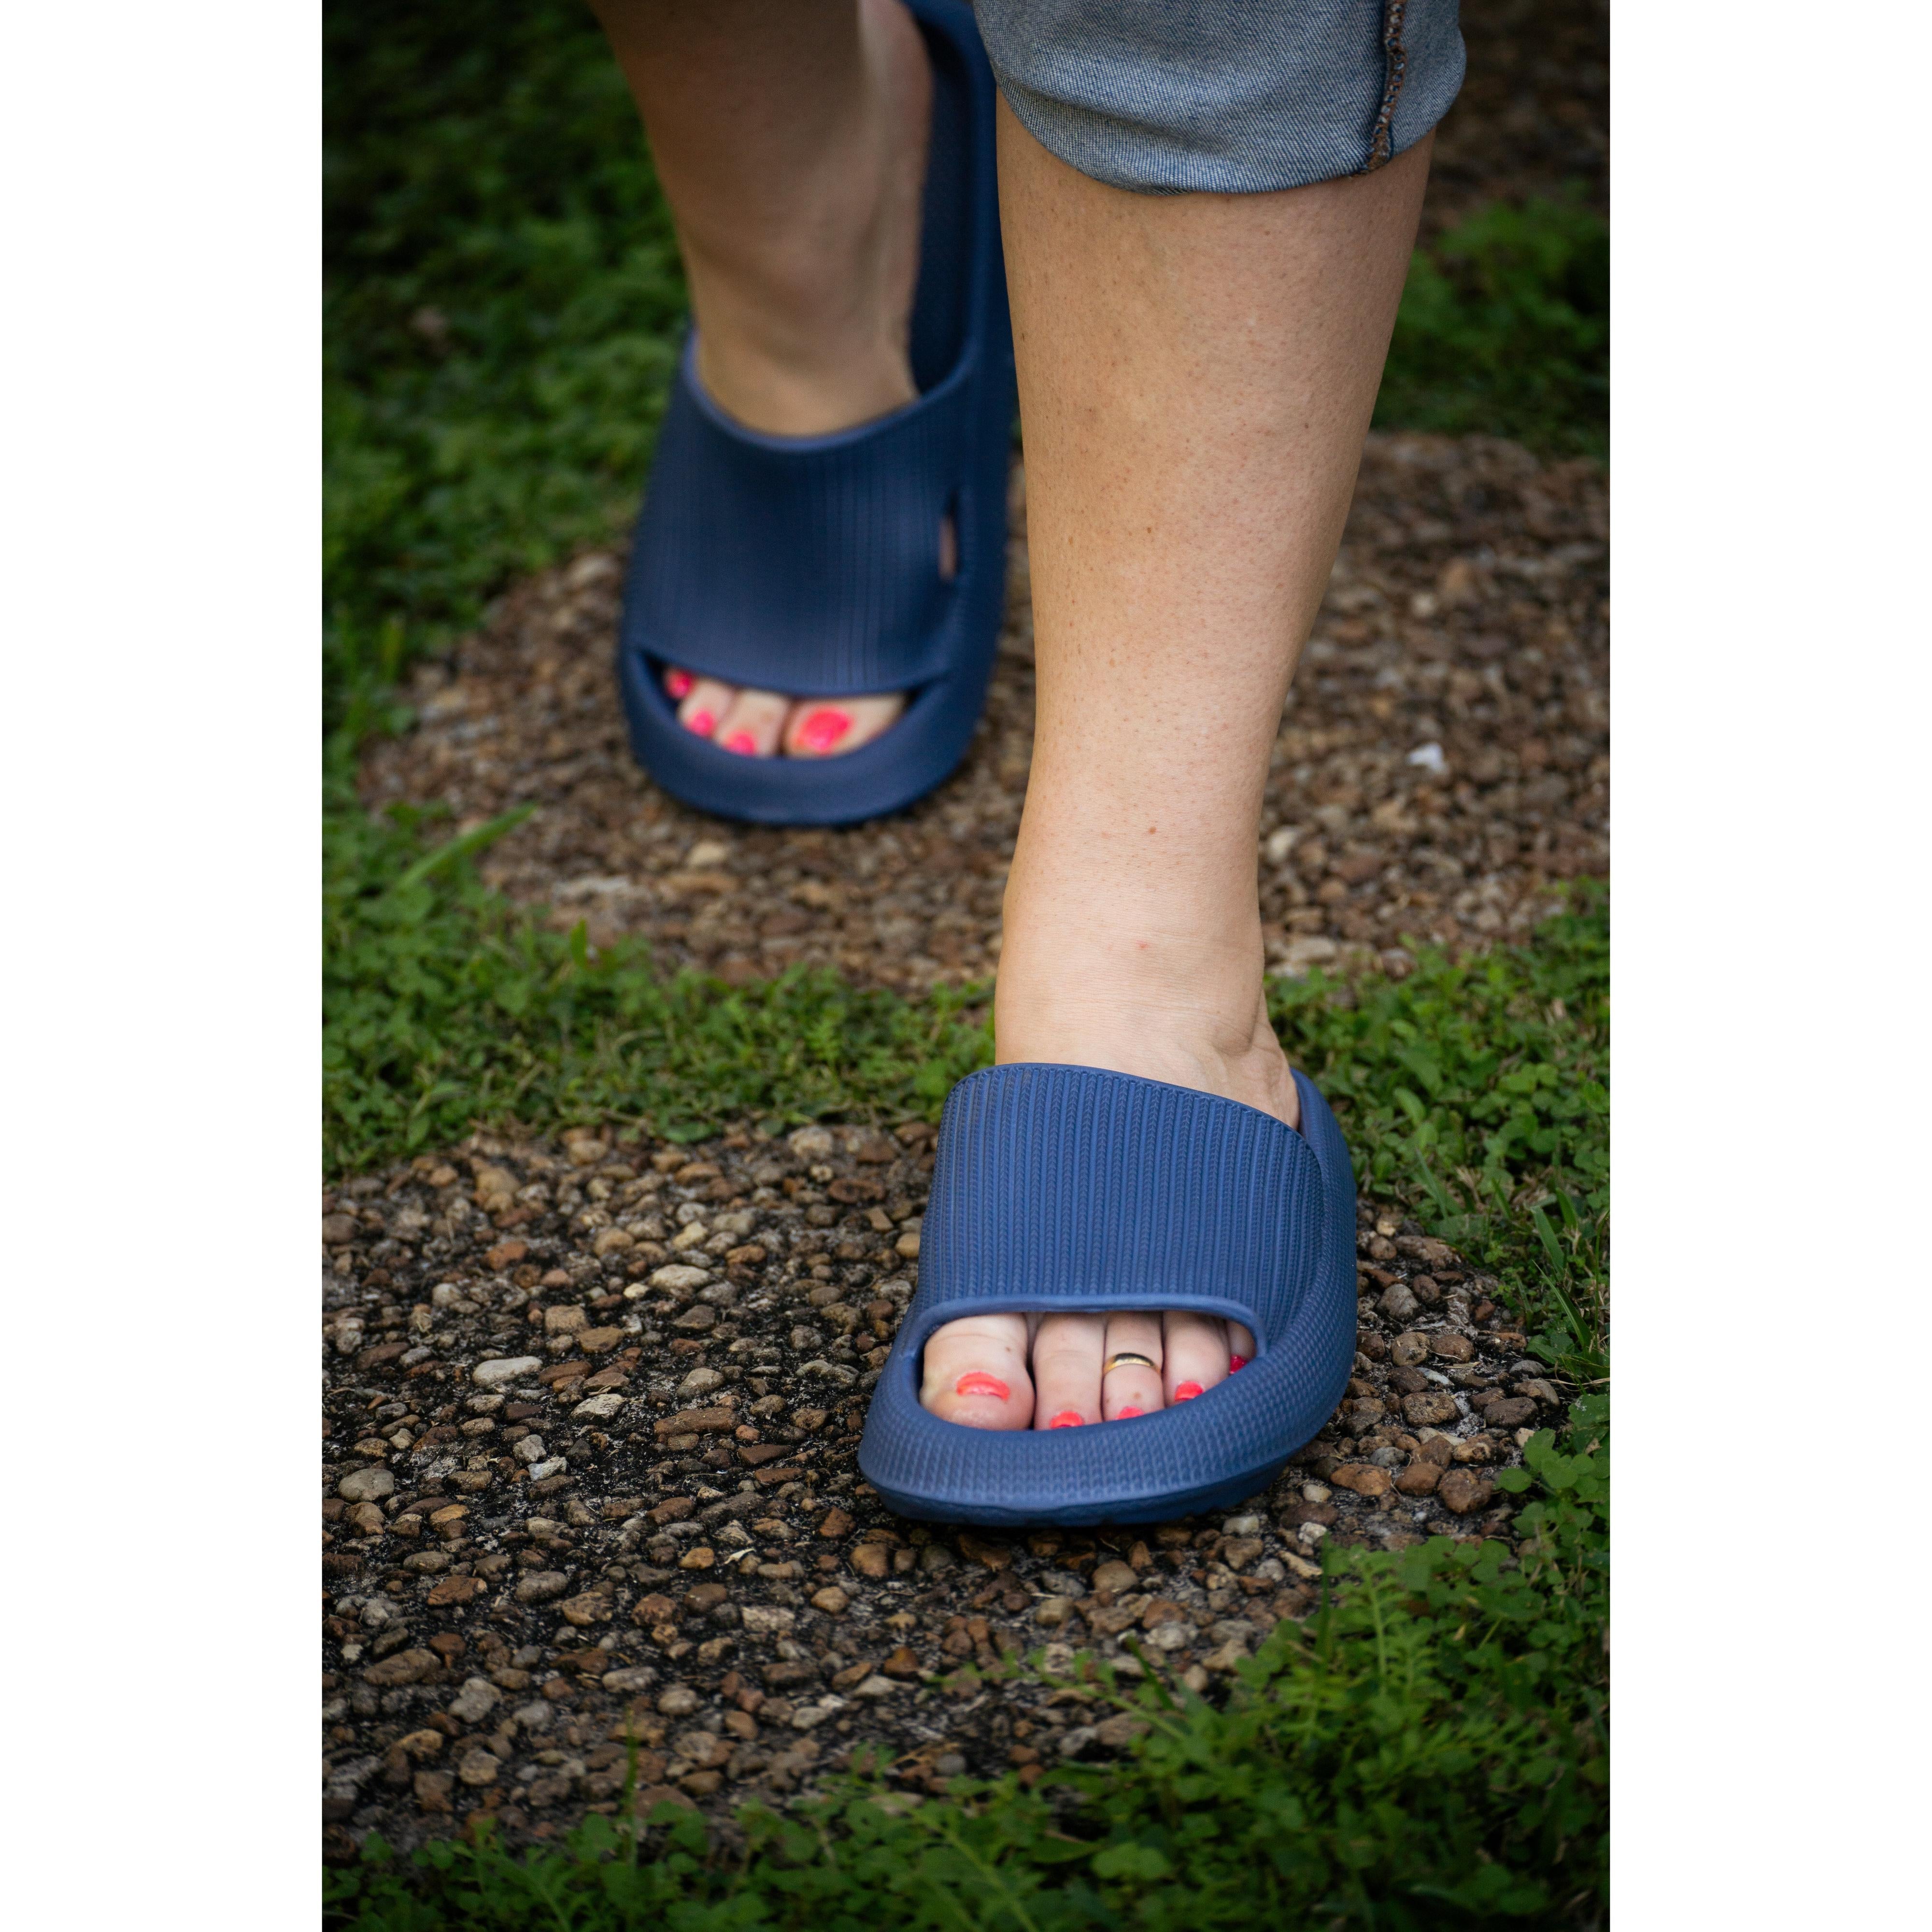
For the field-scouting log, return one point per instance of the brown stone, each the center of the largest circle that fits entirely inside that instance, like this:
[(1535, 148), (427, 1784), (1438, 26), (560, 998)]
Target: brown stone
[(1419, 1479), (982, 1550), (381, 1353), (455, 1590), (433, 1789), (406, 1666), (1238, 1551), (1450, 1347), (1436, 1449), (588, 1608), (506, 1254), (715, 1421), (1429, 1412), (702, 1598), (672, 1509), (654, 1609), (1294, 1514), (598, 1341), (1464, 1492), (1408, 1349), (754, 1455), (835, 1523), (901, 1663), (872, 1559), (700, 1558), (1512, 1412), (1364, 1478)]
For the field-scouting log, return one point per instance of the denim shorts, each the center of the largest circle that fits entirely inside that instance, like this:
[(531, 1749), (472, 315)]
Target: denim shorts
[(1240, 96)]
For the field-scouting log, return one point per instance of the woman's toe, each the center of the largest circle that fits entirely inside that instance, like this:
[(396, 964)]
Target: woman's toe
[(975, 1372), (1241, 1347), (1130, 1370), (752, 724), (827, 727), (1067, 1352), (1195, 1354), (705, 701)]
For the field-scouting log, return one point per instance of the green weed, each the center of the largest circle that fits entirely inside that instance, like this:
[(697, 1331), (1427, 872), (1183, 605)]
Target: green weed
[(1504, 329), (503, 305), (1478, 1095)]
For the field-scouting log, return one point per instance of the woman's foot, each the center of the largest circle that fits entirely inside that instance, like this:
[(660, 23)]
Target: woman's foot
[(1059, 1371), (1062, 1371), (806, 329)]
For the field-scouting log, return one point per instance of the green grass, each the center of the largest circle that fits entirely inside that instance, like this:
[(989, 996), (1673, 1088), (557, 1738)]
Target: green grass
[(1427, 1753), (444, 1006), (503, 305), (1504, 328)]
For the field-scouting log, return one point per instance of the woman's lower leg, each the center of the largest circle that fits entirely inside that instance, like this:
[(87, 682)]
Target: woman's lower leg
[(790, 143), (1196, 375)]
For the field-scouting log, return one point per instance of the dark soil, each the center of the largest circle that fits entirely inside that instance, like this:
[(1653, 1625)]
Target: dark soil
[(654, 1528), (1533, 117)]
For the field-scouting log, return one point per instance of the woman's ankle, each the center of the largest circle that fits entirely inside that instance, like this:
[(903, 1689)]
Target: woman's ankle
[(1193, 1017)]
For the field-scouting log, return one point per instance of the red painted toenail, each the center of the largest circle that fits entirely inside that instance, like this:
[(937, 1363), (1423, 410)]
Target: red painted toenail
[(822, 730), (1186, 1391), (742, 742), (1121, 1415), (1067, 1418), (702, 722), (979, 1383), (1236, 1362), (678, 682)]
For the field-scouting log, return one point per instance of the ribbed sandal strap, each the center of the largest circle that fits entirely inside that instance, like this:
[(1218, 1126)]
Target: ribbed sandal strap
[(1069, 1184), (1067, 1187), (807, 564)]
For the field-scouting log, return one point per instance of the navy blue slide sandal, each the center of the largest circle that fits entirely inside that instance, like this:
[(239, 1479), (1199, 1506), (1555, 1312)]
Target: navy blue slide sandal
[(1068, 1187), (811, 565)]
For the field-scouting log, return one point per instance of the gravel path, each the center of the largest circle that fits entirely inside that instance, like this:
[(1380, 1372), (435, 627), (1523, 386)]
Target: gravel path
[(1442, 761), (591, 1414)]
